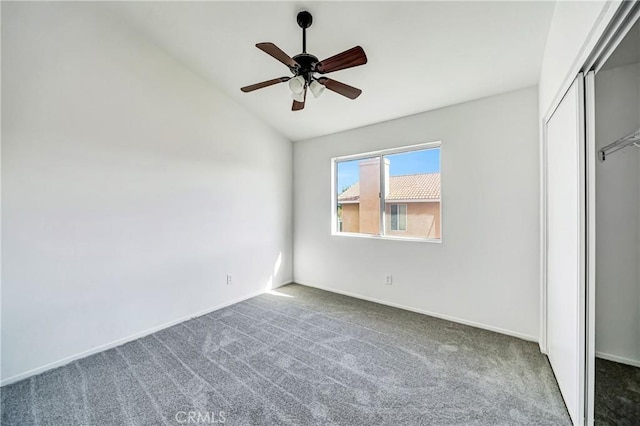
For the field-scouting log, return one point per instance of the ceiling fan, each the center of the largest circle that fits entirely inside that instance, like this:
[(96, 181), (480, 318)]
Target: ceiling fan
[(305, 66)]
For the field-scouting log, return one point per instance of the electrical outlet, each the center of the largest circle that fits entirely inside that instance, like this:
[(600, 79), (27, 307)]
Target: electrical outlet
[(229, 279), (389, 280)]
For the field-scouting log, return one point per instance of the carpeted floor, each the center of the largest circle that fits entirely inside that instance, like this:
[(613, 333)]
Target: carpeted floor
[(303, 357), (617, 394)]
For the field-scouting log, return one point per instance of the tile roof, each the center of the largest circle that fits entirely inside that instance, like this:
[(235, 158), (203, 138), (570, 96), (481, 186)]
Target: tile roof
[(423, 186), (352, 193)]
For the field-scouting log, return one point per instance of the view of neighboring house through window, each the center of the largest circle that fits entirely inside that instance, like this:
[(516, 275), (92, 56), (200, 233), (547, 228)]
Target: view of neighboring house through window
[(401, 198)]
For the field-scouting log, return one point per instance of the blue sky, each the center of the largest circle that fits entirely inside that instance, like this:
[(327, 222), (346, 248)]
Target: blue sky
[(404, 163)]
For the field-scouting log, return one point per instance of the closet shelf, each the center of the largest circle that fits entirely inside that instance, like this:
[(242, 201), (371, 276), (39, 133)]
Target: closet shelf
[(623, 142)]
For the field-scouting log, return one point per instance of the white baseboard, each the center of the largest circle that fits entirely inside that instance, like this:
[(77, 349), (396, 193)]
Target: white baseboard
[(425, 312), (543, 349), (615, 358), (127, 339)]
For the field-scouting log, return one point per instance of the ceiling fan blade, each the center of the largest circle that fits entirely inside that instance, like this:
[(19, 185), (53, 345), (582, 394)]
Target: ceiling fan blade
[(347, 59), (276, 52), (264, 84), (340, 88), (297, 106)]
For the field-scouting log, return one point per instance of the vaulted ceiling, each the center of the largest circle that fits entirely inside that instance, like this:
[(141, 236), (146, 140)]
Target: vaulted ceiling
[(422, 55)]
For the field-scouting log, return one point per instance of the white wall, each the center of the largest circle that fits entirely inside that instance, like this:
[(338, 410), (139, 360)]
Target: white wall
[(618, 217), (485, 271), (130, 187), (574, 31)]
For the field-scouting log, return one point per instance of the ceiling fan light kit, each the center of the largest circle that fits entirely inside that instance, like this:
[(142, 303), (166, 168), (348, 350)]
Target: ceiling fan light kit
[(305, 66), (298, 97), (316, 88), (296, 84)]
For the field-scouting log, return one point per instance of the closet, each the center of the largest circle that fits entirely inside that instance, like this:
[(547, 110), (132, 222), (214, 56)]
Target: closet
[(617, 234), (590, 230)]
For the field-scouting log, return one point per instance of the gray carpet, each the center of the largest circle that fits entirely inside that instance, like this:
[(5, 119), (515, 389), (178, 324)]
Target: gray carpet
[(617, 394), (312, 358)]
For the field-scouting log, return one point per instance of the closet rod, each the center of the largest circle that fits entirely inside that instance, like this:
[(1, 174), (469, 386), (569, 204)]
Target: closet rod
[(630, 139)]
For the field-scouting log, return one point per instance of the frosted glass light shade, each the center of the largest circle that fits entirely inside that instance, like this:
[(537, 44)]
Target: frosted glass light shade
[(316, 88), (296, 84), (298, 96)]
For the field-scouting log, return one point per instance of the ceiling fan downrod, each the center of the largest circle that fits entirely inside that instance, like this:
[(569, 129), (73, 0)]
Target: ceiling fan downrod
[(305, 20), (306, 61)]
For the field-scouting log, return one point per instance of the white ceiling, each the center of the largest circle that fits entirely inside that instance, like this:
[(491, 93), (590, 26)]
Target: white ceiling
[(422, 55)]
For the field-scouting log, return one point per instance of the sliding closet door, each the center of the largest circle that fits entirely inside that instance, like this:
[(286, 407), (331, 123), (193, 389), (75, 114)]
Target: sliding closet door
[(565, 235), (590, 332)]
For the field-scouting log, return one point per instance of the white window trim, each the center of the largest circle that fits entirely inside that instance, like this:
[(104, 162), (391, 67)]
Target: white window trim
[(380, 154)]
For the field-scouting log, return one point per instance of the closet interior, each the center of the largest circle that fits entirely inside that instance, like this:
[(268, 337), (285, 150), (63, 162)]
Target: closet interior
[(617, 238)]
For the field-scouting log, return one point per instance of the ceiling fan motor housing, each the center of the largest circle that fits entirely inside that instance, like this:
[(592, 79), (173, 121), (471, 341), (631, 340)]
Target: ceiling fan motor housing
[(307, 63)]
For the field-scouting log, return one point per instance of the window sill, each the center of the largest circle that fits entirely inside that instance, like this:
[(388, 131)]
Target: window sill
[(386, 237)]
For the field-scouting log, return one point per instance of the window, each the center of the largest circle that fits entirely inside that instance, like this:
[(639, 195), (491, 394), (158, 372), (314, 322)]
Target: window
[(392, 193), (398, 217)]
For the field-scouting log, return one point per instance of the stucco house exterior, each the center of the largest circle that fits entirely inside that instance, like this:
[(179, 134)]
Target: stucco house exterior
[(412, 207)]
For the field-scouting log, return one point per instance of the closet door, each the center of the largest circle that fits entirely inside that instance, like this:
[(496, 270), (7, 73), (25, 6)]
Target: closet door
[(565, 236), (590, 332)]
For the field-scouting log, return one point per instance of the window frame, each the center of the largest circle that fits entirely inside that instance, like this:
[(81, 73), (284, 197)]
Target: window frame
[(381, 230)]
